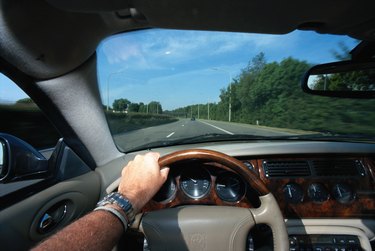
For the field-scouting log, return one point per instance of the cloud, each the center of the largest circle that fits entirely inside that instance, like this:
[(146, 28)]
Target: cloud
[(165, 59), (155, 49), (126, 50), (119, 50)]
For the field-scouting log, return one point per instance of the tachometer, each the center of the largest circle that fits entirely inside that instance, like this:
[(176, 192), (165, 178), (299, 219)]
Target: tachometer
[(195, 183), (230, 187)]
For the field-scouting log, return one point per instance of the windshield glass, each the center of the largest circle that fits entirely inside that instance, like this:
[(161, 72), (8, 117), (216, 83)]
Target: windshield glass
[(165, 87)]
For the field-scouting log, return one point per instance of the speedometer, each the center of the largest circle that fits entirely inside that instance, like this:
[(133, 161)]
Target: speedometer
[(195, 183), (230, 187)]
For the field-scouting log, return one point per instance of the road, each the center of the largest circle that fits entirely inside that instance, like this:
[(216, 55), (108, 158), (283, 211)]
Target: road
[(185, 128)]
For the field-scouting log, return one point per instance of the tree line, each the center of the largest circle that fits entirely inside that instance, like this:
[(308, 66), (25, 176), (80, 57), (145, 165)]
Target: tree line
[(124, 105), (269, 94)]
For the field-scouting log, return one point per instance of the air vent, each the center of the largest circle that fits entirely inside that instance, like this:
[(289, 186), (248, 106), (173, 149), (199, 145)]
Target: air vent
[(274, 168), (336, 167)]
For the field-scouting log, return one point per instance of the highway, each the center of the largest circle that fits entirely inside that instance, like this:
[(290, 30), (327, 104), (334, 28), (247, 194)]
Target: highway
[(185, 128)]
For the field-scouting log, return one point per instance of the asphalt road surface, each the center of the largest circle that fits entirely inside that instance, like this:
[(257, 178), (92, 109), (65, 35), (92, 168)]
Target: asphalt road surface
[(185, 128)]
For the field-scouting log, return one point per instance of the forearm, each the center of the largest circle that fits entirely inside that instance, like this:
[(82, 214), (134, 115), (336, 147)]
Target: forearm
[(99, 230)]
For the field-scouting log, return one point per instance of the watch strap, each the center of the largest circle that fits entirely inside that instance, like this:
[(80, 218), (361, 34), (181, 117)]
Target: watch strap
[(122, 202)]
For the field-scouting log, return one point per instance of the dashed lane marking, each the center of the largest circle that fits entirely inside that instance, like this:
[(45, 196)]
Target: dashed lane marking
[(221, 129), (169, 135)]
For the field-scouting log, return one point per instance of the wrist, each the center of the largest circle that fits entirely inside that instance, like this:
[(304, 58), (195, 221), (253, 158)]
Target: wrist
[(133, 199), (119, 203)]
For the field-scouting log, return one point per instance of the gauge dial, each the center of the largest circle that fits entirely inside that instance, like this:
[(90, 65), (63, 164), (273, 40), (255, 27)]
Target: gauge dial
[(230, 187), (293, 193), (343, 193), (195, 183), (167, 191), (318, 193)]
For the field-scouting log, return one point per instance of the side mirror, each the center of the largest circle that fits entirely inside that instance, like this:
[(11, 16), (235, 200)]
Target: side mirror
[(20, 161), (3, 158), (347, 79)]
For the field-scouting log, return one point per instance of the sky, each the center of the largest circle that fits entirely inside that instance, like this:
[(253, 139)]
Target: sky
[(179, 68), (9, 92)]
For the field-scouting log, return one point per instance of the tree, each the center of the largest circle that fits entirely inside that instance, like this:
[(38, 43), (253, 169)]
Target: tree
[(133, 107), (155, 107), (120, 104), (343, 54), (360, 80), (26, 101), (142, 108)]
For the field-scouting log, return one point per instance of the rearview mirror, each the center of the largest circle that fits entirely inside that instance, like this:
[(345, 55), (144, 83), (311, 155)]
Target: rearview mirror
[(347, 79), (20, 161)]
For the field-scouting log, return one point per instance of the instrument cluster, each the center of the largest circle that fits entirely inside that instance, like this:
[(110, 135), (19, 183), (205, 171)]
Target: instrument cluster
[(202, 183)]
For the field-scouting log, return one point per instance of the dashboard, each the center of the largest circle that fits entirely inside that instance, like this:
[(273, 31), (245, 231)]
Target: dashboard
[(325, 190), (304, 186), (315, 186)]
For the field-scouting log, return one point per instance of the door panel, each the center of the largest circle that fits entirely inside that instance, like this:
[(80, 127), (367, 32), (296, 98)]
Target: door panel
[(19, 222)]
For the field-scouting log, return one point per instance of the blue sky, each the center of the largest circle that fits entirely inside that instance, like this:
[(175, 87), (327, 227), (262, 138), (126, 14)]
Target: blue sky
[(179, 68), (9, 92)]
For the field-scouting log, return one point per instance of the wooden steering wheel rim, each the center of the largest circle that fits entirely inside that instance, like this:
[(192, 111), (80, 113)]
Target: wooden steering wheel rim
[(226, 160)]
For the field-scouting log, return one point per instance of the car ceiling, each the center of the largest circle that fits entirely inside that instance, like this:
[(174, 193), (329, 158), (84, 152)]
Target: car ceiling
[(46, 39)]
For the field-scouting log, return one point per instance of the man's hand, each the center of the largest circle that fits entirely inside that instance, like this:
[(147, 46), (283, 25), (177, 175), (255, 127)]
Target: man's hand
[(100, 230), (141, 179)]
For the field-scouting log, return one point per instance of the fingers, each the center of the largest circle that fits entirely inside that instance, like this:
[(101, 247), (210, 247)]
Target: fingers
[(164, 173), (142, 178), (154, 155)]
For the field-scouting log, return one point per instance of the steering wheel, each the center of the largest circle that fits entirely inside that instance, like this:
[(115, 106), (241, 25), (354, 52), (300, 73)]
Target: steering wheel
[(212, 228)]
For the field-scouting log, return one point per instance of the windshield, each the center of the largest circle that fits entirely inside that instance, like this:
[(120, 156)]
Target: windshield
[(166, 87)]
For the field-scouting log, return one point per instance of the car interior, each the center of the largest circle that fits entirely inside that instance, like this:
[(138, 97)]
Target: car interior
[(262, 194)]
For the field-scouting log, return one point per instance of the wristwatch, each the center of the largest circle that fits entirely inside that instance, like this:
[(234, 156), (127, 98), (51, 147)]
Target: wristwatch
[(119, 200)]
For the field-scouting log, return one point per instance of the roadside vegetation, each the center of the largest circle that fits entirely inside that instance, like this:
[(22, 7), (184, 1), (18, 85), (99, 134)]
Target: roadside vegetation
[(269, 94), (124, 122)]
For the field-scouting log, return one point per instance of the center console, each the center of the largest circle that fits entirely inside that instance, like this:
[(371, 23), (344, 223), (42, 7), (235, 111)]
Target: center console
[(322, 242)]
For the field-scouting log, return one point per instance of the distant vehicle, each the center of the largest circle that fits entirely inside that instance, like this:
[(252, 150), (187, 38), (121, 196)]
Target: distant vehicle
[(192, 119)]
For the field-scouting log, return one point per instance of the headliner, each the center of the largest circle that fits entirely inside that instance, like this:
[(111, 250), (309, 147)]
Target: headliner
[(45, 39)]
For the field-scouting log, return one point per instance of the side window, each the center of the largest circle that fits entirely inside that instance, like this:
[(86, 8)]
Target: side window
[(22, 118)]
